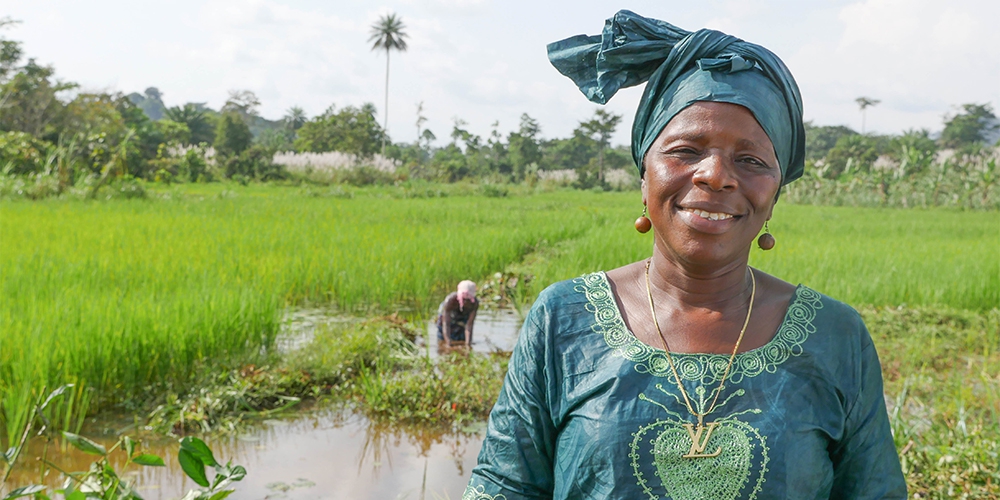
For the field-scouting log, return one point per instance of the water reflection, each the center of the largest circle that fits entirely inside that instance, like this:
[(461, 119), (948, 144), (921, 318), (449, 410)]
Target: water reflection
[(495, 329), (345, 456), (328, 453), (298, 326)]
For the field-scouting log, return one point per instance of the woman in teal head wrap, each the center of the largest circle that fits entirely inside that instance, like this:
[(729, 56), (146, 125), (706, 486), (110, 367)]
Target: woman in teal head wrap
[(690, 375)]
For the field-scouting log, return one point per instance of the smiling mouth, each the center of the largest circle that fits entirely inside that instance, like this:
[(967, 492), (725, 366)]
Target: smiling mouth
[(710, 215)]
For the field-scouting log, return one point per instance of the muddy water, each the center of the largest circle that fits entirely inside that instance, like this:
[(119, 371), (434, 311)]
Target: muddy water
[(494, 330), (326, 453), (318, 452)]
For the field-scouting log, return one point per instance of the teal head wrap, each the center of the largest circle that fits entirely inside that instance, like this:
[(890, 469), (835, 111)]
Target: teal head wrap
[(681, 68)]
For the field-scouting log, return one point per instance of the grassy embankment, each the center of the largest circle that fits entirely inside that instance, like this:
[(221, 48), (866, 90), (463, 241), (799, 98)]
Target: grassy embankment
[(136, 298)]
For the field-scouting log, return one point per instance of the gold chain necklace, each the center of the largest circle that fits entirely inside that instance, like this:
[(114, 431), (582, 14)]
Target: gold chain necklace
[(697, 442)]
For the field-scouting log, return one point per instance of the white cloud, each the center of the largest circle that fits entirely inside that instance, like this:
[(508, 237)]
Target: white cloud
[(920, 57)]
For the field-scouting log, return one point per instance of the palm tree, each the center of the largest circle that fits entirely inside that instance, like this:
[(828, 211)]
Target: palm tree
[(294, 118), (387, 33), (864, 102), (194, 116)]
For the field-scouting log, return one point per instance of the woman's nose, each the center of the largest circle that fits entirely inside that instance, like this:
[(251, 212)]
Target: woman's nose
[(716, 172)]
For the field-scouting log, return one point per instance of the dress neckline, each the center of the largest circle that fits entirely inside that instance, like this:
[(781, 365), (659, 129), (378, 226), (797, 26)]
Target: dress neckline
[(766, 345), (794, 330)]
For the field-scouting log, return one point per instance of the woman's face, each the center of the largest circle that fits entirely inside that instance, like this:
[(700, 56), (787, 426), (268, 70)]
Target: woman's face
[(710, 183)]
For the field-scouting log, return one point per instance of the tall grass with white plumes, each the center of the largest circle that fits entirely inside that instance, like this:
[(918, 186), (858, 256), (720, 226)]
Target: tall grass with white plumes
[(205, 151), (947, 179), (622, 179), (619, 179), (561, 177), (331, 162)]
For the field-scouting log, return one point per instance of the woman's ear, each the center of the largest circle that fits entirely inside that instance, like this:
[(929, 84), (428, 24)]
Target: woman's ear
[(642, 188)]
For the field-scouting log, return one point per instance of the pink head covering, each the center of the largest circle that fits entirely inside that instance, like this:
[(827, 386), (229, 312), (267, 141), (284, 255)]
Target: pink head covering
[(466, 292)]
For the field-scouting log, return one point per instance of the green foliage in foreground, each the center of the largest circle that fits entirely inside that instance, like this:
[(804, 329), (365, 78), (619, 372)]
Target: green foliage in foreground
[(102, 480)]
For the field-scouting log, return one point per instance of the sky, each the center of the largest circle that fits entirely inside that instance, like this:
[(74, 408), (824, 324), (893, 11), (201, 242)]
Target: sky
[(484, 61)]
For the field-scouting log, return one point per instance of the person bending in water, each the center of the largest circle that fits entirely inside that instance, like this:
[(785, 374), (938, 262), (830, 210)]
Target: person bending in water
[(457, 314)]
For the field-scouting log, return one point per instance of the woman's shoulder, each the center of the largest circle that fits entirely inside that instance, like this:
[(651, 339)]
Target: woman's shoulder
[(812, 319), (830, 312), (574, 290), (831, 326), (566, 322), (451, 298), (570, 305)]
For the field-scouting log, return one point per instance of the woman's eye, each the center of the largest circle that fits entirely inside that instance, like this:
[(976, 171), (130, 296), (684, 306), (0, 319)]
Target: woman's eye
[(682, 151), (753, 161)]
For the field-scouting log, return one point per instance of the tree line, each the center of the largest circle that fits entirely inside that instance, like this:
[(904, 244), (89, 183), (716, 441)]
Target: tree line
[(48, 126), (50, 129)]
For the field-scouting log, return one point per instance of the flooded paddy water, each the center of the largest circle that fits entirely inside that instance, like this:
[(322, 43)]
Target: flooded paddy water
[(495, 330), (318, 452)]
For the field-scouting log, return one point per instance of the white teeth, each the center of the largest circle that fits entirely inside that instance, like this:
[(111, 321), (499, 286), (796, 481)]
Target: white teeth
[(711, 215)]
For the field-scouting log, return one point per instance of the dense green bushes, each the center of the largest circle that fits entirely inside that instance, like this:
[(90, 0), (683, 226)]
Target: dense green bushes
[(22, 153)]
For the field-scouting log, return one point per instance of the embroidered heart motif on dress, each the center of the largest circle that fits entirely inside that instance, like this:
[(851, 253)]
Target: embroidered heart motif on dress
[(720, 477)]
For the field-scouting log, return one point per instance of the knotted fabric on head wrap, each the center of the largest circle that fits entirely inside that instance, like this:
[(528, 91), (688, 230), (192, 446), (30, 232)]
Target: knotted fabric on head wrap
[(681, 68)]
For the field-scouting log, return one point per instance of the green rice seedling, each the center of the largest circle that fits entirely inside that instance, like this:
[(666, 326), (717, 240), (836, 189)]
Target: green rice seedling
[(451, 391), (338, 353), (376, 364), (889, 256)]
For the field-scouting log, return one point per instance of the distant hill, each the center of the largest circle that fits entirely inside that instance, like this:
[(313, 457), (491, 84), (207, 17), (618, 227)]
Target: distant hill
[(151, 103), (260, 124)]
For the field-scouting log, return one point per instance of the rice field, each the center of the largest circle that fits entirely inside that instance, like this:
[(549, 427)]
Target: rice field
[(136, 299), (862, 256)]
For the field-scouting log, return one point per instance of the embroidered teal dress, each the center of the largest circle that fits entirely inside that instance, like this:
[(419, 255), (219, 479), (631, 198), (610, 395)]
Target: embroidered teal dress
[(589, 411)]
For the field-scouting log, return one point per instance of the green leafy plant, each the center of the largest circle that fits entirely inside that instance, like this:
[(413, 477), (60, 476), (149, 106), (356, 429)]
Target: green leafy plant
[(101, 480), (194, 457)]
